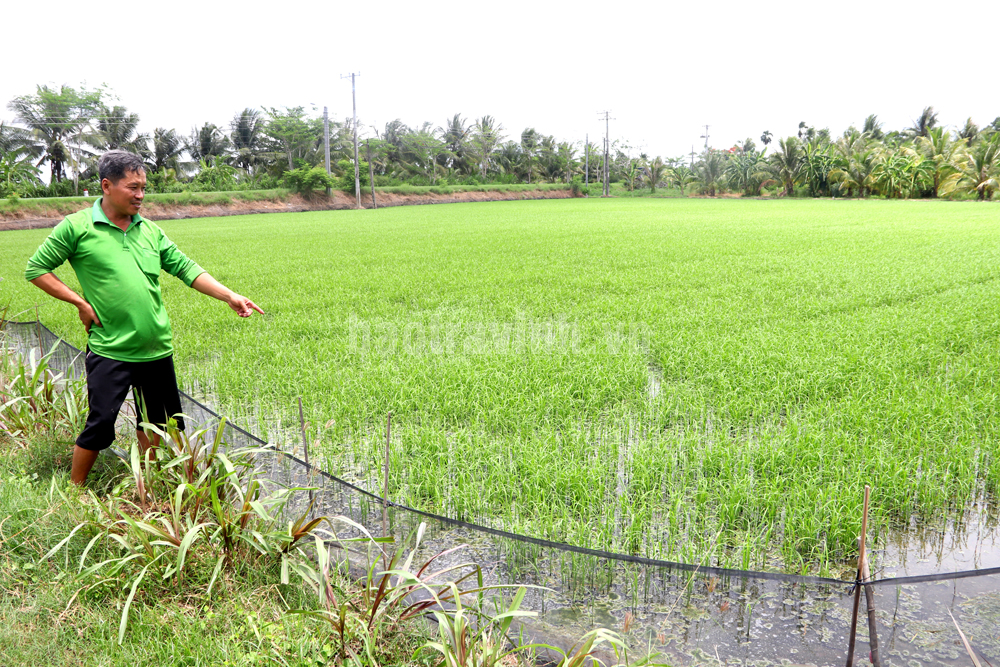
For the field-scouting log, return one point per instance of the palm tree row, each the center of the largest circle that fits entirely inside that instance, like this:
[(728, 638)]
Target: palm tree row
[(68, 128)]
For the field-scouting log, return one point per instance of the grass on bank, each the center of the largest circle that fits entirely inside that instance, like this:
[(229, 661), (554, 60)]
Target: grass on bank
[(50, 206), (121, 573)]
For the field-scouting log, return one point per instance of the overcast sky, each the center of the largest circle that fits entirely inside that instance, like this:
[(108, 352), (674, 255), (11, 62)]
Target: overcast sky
[(664, 70)]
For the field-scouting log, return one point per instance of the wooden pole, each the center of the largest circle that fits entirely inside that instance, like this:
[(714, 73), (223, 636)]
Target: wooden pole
[(305, 446), (869, 595), (857, 590)]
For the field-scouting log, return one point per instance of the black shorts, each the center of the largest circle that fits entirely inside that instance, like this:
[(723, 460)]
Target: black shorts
[(154, 388)]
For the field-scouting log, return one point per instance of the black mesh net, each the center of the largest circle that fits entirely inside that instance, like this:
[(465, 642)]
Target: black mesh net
[(692, 613)]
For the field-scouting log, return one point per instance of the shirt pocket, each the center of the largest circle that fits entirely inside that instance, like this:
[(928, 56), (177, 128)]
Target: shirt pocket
[(149, 262)]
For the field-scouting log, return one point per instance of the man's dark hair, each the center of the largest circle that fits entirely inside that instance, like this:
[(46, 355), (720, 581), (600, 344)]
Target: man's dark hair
[(113, 165)]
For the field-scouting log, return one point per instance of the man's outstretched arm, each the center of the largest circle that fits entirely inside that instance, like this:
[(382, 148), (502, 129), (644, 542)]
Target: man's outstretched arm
[(51, 285), (243, 306)]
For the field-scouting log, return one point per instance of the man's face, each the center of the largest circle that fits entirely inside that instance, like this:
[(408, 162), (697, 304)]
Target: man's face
[(125, 196)]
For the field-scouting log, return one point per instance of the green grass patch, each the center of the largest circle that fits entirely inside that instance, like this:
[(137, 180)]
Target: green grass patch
[(634, 374)]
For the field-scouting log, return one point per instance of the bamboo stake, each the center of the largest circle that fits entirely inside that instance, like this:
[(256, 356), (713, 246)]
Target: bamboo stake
[(305, 447), (869, 595), (857, 590)]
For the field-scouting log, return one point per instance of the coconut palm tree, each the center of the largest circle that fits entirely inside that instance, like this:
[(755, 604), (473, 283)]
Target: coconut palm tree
[(970, 132), (207, 143), (117, 129), (247, 137), (511, 159), (710, 171), (655, 172), (786, 164), (167, 150), (873, 128), (978, 170), (55, 118), (421, 153), (455, 134), (925, 122), (854, 159), (18, 141), (487, 134), (765, 138), (17, 154), (529, 146), (942, 152)]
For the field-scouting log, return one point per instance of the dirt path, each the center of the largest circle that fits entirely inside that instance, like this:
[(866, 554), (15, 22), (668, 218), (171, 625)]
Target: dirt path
[(290, 204)]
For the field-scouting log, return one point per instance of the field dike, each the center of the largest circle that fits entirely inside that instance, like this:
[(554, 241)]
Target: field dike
[(695, 612), (29, 214)]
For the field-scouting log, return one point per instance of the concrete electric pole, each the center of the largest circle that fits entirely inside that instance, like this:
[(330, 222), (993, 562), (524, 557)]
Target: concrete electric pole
[(607, 150), (326, 146), (354, 103)]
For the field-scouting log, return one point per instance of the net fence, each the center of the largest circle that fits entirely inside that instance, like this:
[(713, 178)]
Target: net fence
[(693, 613)]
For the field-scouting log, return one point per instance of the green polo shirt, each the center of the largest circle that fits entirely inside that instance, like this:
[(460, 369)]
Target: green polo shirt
[(120, 276)]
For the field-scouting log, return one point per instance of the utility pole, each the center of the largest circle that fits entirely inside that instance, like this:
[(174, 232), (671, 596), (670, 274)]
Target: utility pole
[(371, 170), (354, 102), (607, 149), (692, 156), (326, 147), (607, 185), (705, 137), (586, 170)]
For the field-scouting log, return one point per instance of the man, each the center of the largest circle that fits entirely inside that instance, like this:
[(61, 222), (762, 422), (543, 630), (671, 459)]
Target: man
[(117, 256)]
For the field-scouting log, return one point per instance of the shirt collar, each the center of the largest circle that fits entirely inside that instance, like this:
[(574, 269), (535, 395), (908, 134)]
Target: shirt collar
[(100, 217)]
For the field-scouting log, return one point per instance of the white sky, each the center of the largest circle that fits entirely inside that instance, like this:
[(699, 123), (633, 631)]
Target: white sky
[(663, 69)]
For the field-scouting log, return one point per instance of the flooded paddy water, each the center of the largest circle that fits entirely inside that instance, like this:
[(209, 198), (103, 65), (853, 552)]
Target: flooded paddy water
[(696, 614)]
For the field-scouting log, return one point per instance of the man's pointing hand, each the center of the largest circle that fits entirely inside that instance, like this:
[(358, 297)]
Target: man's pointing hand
[(243, 306)]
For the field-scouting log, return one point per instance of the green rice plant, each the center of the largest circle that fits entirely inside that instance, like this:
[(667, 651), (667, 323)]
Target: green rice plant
[(743, 365)]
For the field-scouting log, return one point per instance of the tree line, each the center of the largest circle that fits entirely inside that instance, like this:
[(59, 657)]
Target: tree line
[(67, 129)]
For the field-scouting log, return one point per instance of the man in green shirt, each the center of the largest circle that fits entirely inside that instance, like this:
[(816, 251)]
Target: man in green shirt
[(117, 256)]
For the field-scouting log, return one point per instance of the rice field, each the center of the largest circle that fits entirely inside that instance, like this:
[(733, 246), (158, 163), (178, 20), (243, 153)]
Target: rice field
[(682, 379)]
